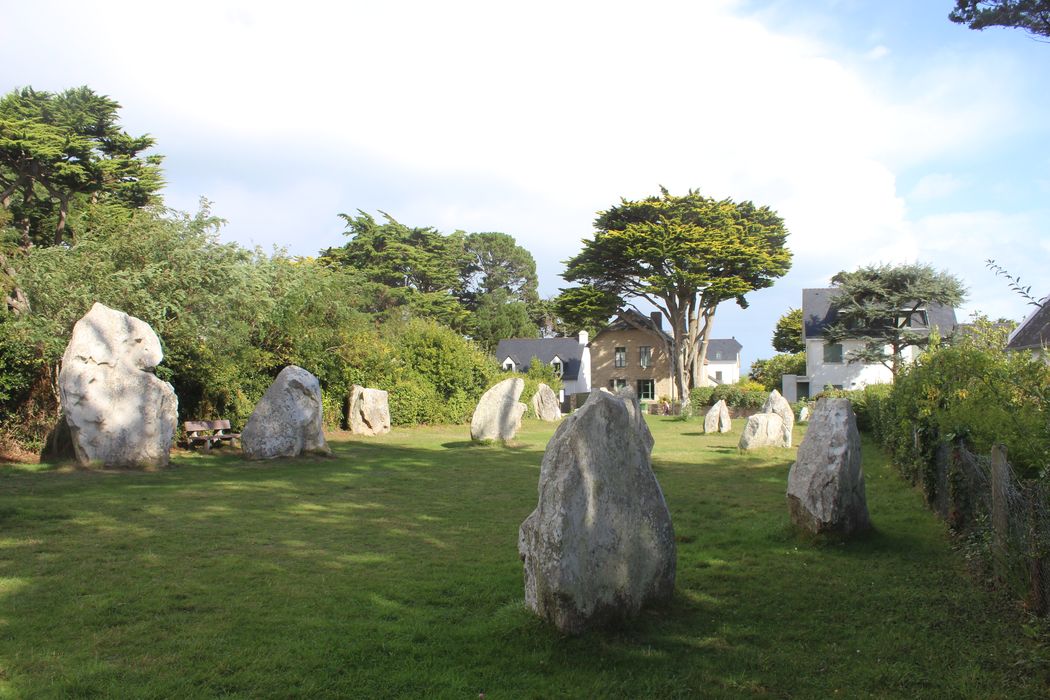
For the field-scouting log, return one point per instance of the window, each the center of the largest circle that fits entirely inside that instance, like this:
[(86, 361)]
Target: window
[(556, 364), (645, 356), (646, 390), (918, 319), (718, 355), (620, 357), (508, 365), (833, 353), (617, 384), (718, 377)]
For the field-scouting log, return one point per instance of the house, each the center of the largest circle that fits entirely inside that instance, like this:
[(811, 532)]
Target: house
[(570, 358), (632, 351), (1033, 334), (828, 364)]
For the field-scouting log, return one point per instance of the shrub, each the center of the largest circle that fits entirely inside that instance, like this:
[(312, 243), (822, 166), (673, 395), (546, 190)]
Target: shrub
[(700, 397), (769, 373)]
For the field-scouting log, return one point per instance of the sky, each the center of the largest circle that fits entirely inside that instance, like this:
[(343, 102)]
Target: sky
[(880, 131)]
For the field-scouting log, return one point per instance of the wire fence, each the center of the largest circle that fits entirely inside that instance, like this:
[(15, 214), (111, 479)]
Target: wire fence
[(1008, 518)]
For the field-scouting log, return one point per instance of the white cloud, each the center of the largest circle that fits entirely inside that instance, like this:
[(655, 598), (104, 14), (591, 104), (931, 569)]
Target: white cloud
[(877, 52), (935, 186)]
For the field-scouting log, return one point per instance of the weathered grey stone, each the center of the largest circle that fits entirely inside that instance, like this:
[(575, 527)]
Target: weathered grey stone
[(498, 414), (826, 484), (369, 412), (600, 543), (717, 419), (545, 404), (779, 405), (288, 420), (118, 412), (803, 414), (762, 430)]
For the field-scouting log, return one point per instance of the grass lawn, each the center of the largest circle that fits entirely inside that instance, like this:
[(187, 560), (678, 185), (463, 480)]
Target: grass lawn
[(391, 570)]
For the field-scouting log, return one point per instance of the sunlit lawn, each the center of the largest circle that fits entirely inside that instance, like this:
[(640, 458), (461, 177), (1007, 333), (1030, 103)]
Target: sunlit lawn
[(392, 570)]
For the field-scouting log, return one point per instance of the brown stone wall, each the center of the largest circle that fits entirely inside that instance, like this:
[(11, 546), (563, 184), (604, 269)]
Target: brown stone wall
[(604, 371)]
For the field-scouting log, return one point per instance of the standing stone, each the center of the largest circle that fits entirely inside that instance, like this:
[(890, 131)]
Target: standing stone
[(826, 485), (762, 430), (288, 420), (118, 412), (545, 404), (498, 414), (717, 419), (779, 405), (369, 412), (803, 414), (600, 543)]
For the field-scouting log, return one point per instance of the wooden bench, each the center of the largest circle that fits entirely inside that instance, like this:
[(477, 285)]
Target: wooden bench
[(208, 433)]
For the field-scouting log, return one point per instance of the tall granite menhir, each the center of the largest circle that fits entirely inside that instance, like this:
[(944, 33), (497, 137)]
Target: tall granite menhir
[(826, 484), (498, 413), (600, 543), (118, 412)]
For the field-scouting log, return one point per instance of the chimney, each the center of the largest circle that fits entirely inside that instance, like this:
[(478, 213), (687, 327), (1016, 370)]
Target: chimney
[(657, 318), (584, 338)]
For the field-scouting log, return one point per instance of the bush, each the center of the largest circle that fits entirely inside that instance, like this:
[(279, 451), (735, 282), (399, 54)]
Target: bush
[(414, 402), (700, 398), (769, 373)]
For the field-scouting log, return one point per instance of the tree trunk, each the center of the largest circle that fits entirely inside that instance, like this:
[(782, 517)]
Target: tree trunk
[(63, 214)]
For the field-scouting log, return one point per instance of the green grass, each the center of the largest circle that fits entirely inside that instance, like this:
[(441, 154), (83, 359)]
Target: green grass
[(391, 570)]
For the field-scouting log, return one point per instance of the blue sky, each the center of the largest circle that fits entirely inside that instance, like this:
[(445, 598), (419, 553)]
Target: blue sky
[(880, 131)]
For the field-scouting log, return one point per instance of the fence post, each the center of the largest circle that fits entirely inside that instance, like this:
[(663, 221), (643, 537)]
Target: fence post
[(1000, 475)]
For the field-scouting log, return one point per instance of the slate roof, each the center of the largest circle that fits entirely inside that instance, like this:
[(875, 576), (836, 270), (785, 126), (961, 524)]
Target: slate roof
[(522, 350), (729, 347), (1034, 331), (817, 313)]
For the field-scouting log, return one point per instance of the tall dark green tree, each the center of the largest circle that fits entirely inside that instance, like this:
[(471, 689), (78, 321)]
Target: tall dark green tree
[(499, 289), (60, 148), (885, 306), (683, 255), (413, 269), (787, 336), (1033, 16)]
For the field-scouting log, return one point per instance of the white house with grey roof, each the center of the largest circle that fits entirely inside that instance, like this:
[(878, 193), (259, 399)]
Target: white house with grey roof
[(828, 364), (1033, 333), (570, 358)]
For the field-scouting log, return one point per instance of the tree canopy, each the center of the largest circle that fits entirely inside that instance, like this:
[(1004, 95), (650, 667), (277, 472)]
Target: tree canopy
[(1033, 16), (684, 255), (787, 336), (885, 306), (55, 148)]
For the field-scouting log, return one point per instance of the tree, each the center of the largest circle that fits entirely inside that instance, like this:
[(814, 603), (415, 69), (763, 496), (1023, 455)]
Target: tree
[(884, 306), (55, 148), (1033, 16), (499, 289), (769, 372), (788, 336), (684, 255), (417, 269)]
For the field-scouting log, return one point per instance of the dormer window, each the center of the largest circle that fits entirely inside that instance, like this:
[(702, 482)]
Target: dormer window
[(557, 365), (508, 365)]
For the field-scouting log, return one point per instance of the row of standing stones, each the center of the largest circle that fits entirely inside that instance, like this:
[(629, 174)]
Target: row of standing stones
[(118, 413), (600, 544)]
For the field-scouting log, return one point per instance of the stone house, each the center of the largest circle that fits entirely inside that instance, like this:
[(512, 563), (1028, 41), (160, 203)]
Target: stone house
[(828, 364), (632, 351)]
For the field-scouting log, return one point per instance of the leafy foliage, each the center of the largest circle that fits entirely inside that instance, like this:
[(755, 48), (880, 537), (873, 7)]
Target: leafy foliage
[(1033, 16), (788, 335), (881, 304), (682, 254), (769, 372)]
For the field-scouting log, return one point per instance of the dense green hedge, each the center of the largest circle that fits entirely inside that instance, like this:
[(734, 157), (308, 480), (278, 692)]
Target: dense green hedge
[(971, 391), (745, 395)]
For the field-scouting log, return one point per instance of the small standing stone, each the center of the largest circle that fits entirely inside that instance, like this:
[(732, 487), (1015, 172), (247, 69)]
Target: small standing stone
[(826, 484), (762, 430), (600, 543), (545, 404), (779, 405), (803, 414), (717, 419), (288, 420), (498, 414), (369, 412)]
